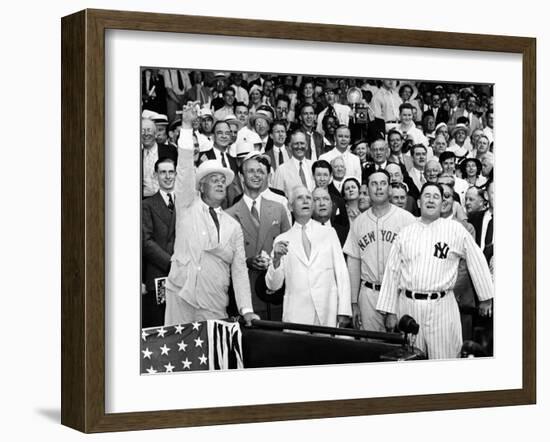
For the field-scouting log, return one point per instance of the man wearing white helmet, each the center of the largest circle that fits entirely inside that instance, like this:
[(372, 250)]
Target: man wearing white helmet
[(208, 241)]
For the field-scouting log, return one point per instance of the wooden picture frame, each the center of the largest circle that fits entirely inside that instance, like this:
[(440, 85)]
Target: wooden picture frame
[(83, 219)]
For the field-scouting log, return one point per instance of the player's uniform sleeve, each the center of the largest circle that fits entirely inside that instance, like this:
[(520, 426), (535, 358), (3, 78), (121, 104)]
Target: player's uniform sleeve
[(478, 268), (387, 301), (351, 246)]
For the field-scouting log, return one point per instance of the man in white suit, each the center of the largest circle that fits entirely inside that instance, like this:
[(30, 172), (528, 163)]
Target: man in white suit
[(308, 259), (297, 170)]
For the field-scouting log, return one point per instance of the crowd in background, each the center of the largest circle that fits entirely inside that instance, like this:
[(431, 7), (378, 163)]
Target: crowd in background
[(317, 132)]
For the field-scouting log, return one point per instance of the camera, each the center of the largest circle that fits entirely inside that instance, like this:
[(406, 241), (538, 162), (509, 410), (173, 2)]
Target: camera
[(361, 115)]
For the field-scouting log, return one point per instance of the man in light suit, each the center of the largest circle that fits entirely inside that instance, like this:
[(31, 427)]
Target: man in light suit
[(209, 246), (309, 260), (297, 170), (158, 220), (262, 220)]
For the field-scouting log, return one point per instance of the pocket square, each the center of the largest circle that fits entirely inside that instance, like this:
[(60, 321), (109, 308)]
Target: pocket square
[(275, 222)]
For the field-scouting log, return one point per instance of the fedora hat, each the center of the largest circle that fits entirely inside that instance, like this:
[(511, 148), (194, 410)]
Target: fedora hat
[(213, 166)]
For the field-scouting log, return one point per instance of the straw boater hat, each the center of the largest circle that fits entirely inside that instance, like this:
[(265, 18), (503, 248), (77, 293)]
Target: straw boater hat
[(261, 114), (213, 166), (460, 126), (232, 119)]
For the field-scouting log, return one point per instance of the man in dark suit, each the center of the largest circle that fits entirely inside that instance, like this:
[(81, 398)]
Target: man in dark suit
[(158, 217), (440, 114), (314, 139), (483, 225), (222, 140), (322, 210), (262, 220), (276, 147), (322, 174)]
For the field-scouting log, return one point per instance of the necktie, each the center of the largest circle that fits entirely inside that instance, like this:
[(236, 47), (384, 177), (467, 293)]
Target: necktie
[(255, 215), (214, 216), (302, 175), (305, 242), (170, 203), (224, 163), (281, 159), (180, 81)]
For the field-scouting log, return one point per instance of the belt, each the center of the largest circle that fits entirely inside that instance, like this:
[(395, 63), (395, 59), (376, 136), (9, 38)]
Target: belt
[(372, 286), (424, 296)]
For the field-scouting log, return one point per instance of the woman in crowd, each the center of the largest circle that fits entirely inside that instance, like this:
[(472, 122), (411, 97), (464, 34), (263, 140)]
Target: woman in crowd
[(471, 172), (350, 193), (255, 96)]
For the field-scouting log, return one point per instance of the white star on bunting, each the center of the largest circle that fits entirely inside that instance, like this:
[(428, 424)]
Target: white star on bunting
[(161, 332), (169, 368), (203, 359), (144, 335), (164, 350), (146, 353), (196, 325), (179, 329), (151, 370), (198, 342), (182, 346), (186, 364)]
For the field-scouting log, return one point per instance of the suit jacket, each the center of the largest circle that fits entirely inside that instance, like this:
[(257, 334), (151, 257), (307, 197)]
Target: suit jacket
[(235, 188), (270, 152), (316, 287), (273, 222), (158, 227), (339, 213), (441, 117), (476, 220), (319, 141), (201, 251), (287, 177)]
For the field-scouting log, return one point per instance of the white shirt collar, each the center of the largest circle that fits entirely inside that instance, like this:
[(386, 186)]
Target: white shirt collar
[(248, 201)]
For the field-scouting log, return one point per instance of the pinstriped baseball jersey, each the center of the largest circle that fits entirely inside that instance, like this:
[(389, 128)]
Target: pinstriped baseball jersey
[(425, 258), (370, 239)]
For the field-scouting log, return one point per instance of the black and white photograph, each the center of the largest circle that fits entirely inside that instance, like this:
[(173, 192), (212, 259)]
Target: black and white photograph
[(297, 220)]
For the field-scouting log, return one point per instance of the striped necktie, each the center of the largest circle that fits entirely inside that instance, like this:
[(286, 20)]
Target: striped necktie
[(302, 175)]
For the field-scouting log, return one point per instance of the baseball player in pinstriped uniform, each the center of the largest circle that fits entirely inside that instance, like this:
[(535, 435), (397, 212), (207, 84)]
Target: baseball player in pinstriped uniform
[(368, 247), (422, 270)]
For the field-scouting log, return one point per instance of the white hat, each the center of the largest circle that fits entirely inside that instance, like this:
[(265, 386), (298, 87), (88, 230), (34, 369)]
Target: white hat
[(213, 166), (261, 114), (458, 127), (149, 114), (252, 137), (205, 112), (243, 147), (160, 119), (233, 119)]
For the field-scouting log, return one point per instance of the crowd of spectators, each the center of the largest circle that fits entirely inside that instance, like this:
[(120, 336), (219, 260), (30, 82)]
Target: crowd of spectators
[(318, 133)]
